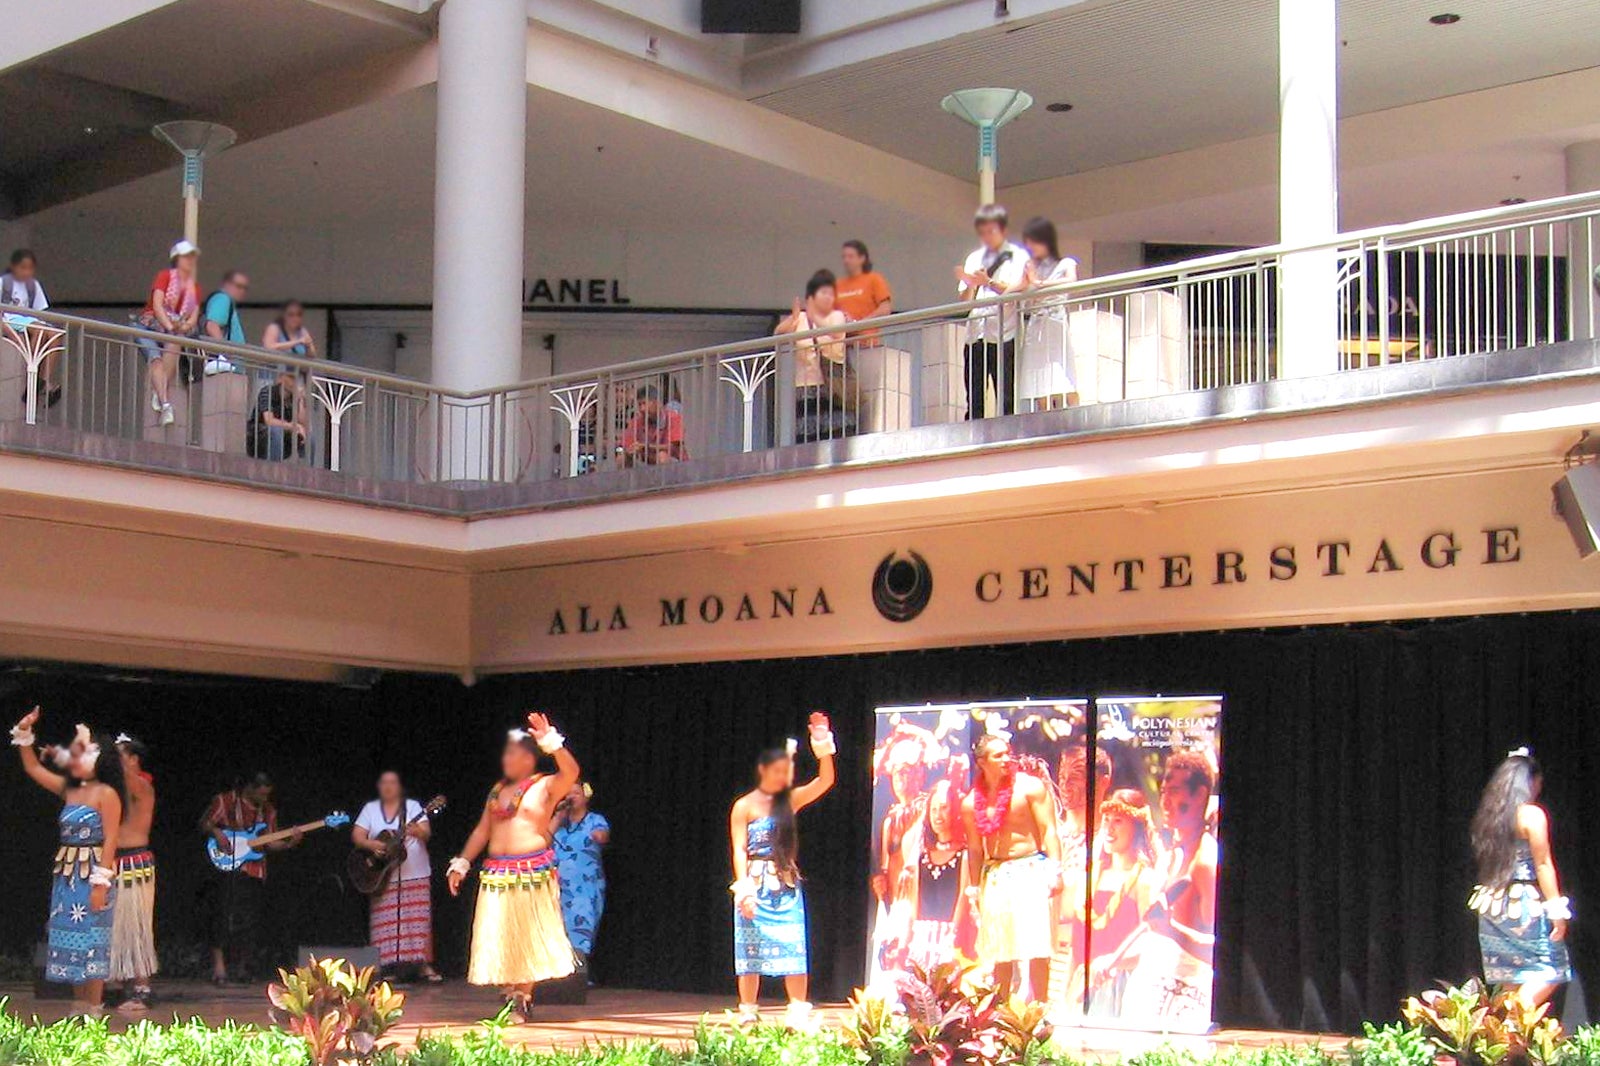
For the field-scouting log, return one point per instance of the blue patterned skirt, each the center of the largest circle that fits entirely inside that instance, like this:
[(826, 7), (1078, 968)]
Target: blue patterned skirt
[(773, 943), (1514, 936), (79, 937)]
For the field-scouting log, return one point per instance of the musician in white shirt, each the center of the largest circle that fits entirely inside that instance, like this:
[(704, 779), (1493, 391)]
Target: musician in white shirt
[(401, 920), (995, 268)]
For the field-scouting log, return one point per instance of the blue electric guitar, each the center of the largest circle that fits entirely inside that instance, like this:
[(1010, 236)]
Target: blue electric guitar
[(244, 845)]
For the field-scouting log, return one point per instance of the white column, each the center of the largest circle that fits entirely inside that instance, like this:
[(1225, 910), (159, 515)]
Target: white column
[(1583, 283), (1308, 185), (480, 152)]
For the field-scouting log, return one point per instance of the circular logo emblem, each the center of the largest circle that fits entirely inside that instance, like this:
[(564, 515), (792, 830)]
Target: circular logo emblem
[(902, 586)]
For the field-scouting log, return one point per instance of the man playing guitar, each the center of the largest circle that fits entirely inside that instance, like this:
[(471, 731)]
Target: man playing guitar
[(237, 897), (401, 925)]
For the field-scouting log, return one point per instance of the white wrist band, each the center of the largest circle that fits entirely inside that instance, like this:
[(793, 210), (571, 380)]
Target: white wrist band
[(742, 890), (21, 738), (101, 876), (459, 865), (1558, 909), (822, 744), (551, 742)]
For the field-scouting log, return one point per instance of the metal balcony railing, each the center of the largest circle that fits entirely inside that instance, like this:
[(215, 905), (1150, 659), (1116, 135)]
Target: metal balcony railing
[(1491, 281)]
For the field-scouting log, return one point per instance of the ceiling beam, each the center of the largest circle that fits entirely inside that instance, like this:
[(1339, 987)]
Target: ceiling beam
[(660, 98), (1530, 111)]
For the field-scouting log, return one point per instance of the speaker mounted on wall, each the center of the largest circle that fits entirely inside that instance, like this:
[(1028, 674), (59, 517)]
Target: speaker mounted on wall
[(1578, 494), (749, 16)]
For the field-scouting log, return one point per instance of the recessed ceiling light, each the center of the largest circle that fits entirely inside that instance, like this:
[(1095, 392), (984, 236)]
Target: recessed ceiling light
[(1445, 18), (1059, 107), (90, 130)]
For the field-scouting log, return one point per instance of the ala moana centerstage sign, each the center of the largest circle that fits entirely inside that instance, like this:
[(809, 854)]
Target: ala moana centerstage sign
[(1452, 545), (901, 584)]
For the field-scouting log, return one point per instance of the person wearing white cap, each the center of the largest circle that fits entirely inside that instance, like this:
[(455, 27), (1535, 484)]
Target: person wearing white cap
[(173, 307)]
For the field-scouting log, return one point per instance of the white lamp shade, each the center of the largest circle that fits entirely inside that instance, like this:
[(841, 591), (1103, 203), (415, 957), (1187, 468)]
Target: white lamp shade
[(196, 138), (987, 107)]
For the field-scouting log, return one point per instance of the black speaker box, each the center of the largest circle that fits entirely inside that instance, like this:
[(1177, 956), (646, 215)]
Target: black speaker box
[(750, 16)]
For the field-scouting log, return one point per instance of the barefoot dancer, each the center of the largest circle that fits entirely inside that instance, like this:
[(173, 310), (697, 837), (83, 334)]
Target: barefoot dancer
[(1014, 852), (518, 937), (133, 938), (79, 927), (1522, 915), (769, 915)]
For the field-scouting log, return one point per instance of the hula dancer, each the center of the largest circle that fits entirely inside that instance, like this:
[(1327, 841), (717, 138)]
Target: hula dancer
[(1522, 915), (133, 937), (1014, 851), (79, 926), (769, 909), (518, 937)]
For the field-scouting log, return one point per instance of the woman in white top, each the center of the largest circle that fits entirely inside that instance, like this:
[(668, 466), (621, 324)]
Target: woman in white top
[(1045, 371), (824, 407), (402, 914)]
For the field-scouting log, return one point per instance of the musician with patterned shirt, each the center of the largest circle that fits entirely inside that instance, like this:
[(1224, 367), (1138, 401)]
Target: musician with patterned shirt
[(237, 897), (518, 935), (1014, 865)]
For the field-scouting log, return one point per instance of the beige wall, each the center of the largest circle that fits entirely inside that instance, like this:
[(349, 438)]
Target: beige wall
[(191, 602), (1010, 580)]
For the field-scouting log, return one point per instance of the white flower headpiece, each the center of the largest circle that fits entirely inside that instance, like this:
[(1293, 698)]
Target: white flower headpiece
[(1520, 753)]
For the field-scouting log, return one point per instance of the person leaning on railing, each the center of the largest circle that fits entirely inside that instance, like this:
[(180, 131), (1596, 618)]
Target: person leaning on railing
[(1045, 372), (823, 400), (20, 288), (173, 307), (654, 435), (288, 332), (993, 269)]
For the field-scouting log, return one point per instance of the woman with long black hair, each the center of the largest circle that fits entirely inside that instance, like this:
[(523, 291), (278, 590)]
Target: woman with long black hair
[(1522, 915), (90, 785), (769, 909)]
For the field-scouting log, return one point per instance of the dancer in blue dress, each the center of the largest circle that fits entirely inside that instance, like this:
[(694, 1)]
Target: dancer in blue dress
[(580, 834), (769, 908), (1522, 915), (89, 783)]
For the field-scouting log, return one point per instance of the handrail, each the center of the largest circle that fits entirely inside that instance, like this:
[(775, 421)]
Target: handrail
[(242, 351), (1553, 211)]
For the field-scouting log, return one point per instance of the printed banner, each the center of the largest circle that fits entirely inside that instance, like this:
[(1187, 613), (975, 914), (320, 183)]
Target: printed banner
[(1148, 944), (921, 773), (1136, 806)]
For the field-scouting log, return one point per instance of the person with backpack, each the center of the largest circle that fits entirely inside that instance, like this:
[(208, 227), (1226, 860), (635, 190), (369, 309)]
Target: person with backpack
[(220, 319), (19, 287)]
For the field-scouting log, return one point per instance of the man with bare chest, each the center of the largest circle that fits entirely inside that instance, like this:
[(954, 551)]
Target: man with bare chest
[(133, 938), (518, 935), (1014, 856)]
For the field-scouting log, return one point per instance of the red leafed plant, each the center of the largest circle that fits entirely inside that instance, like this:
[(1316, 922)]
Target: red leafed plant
[(340, 1012), (952, 1019)]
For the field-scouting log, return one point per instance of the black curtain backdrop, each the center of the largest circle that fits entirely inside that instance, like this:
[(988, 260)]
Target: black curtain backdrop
[(1352, 760)]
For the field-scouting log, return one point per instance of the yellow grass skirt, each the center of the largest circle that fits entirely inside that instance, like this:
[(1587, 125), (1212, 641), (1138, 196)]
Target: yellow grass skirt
[(518, 936), (133, 918)]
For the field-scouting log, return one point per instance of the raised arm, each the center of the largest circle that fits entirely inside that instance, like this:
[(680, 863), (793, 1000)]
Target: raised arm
[(554, 744), (823, 748), (22, 739)]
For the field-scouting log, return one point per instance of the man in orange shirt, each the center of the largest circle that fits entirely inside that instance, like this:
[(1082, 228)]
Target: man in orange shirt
[(862, 293)]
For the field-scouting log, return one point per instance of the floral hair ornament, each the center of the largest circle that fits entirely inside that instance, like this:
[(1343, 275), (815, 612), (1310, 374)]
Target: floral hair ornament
[(517, 735), (123, 738), (588, 791), (791, 747), (1523, 752)]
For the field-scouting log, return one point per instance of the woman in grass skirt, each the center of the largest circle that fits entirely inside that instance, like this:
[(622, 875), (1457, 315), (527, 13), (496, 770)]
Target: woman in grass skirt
[(769, 909), (1522, 915)]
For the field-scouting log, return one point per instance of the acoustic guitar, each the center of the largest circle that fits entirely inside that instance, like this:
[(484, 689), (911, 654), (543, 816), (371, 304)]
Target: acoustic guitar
[(244, 845), (371, 872)]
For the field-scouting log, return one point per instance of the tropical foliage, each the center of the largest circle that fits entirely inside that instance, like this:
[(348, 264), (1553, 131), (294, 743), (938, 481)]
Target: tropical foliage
[(946, 1018)]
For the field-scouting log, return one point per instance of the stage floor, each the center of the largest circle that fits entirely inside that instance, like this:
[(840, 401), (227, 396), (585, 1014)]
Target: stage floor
[(610, 1015)]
